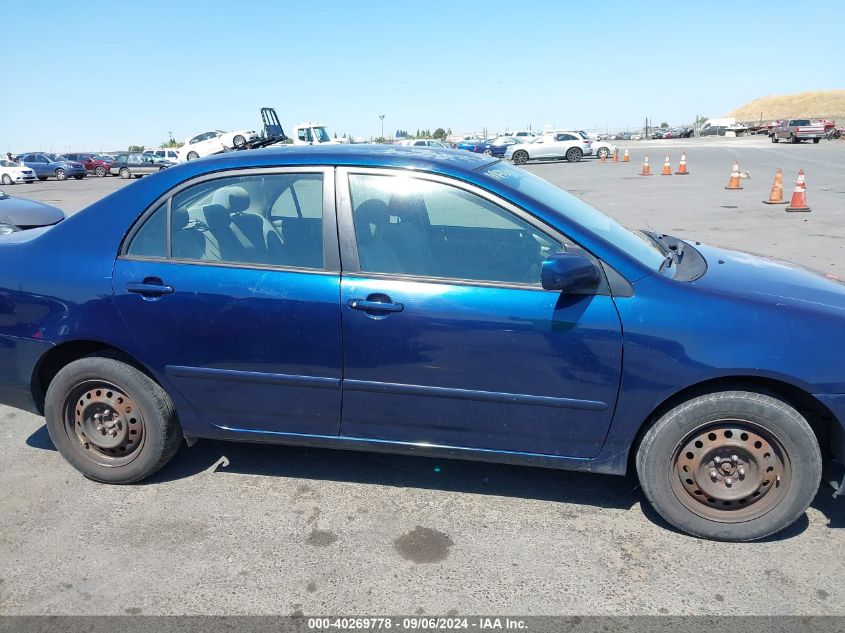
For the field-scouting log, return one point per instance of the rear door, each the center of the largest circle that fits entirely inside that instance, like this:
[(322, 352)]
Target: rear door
[(244, 325)]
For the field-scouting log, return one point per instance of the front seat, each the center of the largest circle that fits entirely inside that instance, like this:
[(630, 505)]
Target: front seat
[(375, 254), (409, 235)]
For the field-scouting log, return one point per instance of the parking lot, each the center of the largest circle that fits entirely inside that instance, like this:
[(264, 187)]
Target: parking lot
[(236, 529)]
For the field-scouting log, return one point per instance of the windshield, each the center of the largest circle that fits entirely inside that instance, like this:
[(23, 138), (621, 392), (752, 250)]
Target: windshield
[(635, 244), (321, 135), (800, 122)]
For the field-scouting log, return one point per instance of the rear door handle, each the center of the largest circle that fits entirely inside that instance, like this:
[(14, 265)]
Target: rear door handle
[(142, 288), (363, 304)]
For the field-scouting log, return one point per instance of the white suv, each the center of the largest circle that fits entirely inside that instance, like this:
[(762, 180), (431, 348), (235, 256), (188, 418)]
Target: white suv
[(165, 153), (568, 145)]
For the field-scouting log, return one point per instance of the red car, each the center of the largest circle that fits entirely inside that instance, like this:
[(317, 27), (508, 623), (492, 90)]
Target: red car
[(92, 164)]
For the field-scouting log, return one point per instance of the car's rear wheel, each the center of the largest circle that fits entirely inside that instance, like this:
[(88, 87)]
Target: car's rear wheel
[(520, 157), (775, 139), (603, 152), (99, 171), (574, 154), (111, 421), (61, 174), (730, 466), (192, 156), (125, 173), (793, 139), (7, 180), (239, 141)]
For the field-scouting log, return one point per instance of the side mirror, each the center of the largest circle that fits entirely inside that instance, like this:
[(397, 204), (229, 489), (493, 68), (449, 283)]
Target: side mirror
[(572, 273)]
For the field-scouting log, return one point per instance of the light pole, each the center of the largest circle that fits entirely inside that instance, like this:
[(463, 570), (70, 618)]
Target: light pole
[(381, 118)]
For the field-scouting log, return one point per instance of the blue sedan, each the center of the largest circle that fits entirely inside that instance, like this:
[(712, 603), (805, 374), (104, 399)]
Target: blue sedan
[(431, 302), (497, 146)]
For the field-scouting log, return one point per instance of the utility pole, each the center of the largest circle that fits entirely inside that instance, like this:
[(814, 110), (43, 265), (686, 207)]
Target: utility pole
[(381, 118)]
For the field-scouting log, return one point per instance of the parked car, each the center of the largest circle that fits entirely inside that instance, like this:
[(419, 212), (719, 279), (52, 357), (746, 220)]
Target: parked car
[(797, 130), (52, 166), (498, 146), (600, 147), (210, 304), (166, 153), (425, 142), (136, 164), (20, 214), (525, 135), (712, 130), (11, 173), (469, 144), (96, 166), (215, 142), (572, 147)]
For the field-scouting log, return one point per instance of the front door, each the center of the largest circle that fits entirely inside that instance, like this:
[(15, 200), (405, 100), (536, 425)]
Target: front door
[(242, 321), (449, 338)]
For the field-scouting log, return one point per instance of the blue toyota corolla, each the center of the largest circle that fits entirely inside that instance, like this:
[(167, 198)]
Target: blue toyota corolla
[(427, 301)]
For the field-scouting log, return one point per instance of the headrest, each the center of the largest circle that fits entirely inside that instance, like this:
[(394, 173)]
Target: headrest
[(216, 216), (409, 207), (179, 218), (233, 197), (370, 216)]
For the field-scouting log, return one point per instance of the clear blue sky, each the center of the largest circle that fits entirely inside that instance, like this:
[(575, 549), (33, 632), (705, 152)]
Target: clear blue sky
[(107, 74)]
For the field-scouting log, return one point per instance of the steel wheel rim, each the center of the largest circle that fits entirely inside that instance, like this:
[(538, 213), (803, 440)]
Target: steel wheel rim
[(100, 171), (730, 471), (60, 174), (103, 423)]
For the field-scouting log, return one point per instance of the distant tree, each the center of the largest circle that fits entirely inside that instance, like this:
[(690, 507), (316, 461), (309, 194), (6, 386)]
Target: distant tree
[(136, 148), (171, 143), (335, 134), (664, 125), (700, 119), (439, 133)]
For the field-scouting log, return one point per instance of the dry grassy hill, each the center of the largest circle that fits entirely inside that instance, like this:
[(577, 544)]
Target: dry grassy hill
[(803, 104)]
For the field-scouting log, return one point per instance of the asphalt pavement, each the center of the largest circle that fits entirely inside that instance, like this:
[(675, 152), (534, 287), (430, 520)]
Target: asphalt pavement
[(241, 529)]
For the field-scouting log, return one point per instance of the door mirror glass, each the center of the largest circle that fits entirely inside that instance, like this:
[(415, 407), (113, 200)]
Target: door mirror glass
[(571, 273)]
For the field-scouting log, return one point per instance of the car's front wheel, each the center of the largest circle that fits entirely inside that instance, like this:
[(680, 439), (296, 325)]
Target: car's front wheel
[(574, 154), (730, 466), (775, 139), (99, 171), (520, 157), (110, 420), (7, 180), (61, 174)]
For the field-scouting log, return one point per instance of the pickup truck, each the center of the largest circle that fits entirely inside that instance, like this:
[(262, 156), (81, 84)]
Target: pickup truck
[(797, 130)]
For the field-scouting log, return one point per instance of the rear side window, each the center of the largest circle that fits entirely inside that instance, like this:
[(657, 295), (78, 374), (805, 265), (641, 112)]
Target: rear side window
[(151, 238)]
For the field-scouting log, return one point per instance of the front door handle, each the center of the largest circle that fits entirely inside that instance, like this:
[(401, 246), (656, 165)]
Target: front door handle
[(148, 288), (375, 306)]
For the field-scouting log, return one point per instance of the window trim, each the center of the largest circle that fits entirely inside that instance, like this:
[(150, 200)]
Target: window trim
[(331, 256), (350, 263)]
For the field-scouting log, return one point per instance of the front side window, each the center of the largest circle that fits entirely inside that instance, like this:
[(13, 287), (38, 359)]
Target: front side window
[(410, 226), (268, 220)]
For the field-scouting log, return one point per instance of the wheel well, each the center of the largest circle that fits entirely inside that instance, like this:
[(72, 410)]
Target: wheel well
[(59, 356), (817, 415)]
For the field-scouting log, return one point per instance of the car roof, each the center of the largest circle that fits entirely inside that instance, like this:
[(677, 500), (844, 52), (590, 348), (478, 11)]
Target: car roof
[(423, 158)]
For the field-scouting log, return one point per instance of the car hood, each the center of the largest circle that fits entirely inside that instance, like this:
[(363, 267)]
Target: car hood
[(770, 279), (23, 212)]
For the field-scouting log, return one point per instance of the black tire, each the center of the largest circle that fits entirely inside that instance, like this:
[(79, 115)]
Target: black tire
[(42, 178), (775, 139), (574, 154), (125, 173), (61, 174), (603, 152), (156, 425), (99, 171), (192, 156), (239, 141), (756, 506), (7, 180), (520, 157), (793, 139), (816, 140)]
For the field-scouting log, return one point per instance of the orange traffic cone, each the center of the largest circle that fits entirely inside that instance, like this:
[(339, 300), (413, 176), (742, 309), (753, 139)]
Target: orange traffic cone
[(682, 166), (733, 183), (646, 169), (776, 196), (667, 168), (615, 155), (799, 195), (625, 157)]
